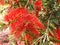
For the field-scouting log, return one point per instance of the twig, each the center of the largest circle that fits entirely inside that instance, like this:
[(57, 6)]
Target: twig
[(26, 3)]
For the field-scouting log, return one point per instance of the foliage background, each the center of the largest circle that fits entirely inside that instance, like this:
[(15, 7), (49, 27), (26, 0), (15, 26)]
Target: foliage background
[(47, 11)]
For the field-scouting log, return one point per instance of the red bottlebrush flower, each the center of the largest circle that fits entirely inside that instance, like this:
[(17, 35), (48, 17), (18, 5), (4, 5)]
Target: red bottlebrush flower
[(2, 2), (28, 37), (38, 5), (33, 19), (32, 29), (58, 34), (19, 17)]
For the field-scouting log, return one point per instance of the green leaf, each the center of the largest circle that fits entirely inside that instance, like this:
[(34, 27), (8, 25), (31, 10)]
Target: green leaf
[(30, 7), (54, 39), (1, 25), (52, 26), (41, 42)]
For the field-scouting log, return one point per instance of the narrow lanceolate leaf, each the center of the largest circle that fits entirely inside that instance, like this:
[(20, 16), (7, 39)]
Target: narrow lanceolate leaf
[(54, 40), (33, 30), (41, 41), (34, 20)]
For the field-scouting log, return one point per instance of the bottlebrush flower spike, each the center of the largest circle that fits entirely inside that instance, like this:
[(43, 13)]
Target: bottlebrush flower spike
[(18, 19)]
